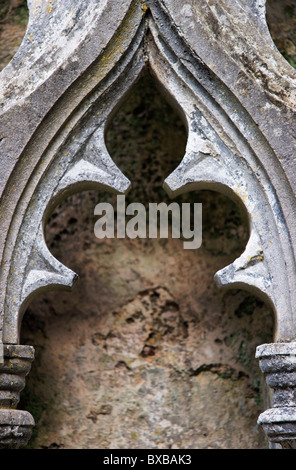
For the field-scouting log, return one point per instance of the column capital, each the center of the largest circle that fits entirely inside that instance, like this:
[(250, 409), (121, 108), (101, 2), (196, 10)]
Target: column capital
[(278, 363), (15, 425)]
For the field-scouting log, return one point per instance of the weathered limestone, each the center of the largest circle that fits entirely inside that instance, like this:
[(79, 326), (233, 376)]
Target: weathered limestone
[(217, 63), (15, 425), (278, 363)]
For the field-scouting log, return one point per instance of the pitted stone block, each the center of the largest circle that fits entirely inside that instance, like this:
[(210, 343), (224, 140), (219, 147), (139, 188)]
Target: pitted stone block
[(16, 428)]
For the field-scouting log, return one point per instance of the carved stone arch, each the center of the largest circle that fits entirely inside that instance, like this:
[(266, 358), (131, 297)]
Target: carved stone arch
[(65, 93)]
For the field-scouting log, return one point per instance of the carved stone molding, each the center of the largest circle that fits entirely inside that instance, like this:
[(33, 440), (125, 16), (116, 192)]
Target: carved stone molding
[(278, 364), (15, 425), (216, 62)]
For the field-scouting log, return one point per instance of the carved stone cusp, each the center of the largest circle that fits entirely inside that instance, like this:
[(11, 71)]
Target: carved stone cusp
[(278, 363)]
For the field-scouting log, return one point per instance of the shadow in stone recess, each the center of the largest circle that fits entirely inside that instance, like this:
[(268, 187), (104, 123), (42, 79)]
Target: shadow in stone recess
[(145, 352), (281, 20), (14, 16)]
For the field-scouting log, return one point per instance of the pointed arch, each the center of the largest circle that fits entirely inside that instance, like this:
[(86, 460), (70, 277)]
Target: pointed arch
[(225, 151)]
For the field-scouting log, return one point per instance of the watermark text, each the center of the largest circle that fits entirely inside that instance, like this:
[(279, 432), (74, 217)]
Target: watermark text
[(134, 221)]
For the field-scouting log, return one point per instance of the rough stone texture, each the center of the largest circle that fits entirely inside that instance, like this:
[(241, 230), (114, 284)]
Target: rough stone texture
[(15, 425), (281, 20), (234, 115), (58, 95), (156, 371), (15, 428), (17, 364), (146, 352), (278, 363)]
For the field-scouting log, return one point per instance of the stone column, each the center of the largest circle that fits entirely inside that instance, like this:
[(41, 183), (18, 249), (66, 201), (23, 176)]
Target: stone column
[(278, 363), (15, 425)]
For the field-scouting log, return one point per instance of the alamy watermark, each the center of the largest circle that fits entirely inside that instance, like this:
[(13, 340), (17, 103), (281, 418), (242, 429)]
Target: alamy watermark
[(150, 223)]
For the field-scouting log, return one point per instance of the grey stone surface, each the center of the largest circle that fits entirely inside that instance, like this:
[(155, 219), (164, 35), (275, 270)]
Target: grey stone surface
[(216, 62), (16, 365), (15, 425), (15, 428), (278, 363), (69, 87)]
